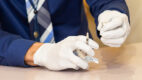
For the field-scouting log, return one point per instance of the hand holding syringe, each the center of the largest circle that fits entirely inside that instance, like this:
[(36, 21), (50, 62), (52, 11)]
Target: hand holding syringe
[(83, 55), (73, 52)]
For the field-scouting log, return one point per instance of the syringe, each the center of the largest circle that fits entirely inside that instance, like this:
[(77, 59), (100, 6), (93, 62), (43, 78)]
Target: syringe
[(83, 55)]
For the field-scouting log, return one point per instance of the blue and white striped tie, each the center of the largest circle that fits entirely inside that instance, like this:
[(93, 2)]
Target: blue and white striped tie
[(43, 19)]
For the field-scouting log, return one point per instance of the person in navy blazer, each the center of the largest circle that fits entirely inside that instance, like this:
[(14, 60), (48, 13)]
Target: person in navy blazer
[(16, 36)]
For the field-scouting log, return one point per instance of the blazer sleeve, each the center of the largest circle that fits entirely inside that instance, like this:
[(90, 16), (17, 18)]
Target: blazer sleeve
[(98, 6), (13, 49)]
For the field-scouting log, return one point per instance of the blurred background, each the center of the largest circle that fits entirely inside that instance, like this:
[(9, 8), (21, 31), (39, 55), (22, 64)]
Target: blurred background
[(135, 9)]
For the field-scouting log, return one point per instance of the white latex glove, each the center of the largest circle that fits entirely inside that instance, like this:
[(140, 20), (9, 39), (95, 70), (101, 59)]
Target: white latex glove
[(60, 56), (114, 28)]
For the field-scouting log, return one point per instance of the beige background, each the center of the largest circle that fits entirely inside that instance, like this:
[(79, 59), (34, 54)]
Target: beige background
[(135, 8)]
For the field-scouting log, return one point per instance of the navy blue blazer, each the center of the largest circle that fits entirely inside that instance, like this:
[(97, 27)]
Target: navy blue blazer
[(16, 36)]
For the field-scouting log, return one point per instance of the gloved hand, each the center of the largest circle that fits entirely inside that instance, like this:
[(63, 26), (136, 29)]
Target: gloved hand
[(60, 56), (114, 28)]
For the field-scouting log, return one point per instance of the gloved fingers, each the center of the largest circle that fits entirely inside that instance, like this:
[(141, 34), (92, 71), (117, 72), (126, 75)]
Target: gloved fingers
[(67, 64), (126, 26), (116, 33), (117, 41), (78, 61), (115, 23), (73, 66), (104, 18), (85, 48), (91, 43), (100, 25)]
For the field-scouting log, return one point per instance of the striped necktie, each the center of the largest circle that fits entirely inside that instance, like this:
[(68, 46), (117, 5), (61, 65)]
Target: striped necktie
[(39, 17)]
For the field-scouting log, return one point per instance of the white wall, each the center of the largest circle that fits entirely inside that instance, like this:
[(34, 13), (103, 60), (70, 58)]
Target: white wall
[(135, 7)]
